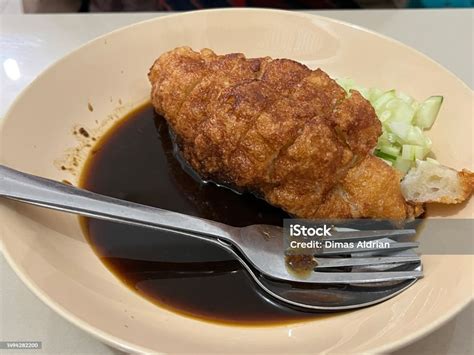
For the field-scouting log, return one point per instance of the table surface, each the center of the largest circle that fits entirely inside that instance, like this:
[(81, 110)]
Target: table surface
[(36, 41)]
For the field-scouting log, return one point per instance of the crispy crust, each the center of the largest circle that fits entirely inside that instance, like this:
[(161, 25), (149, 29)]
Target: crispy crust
[(466, 180), (466, 186), (371, 188)]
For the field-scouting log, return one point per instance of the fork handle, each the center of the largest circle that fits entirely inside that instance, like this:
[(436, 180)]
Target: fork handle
[(51, 194)]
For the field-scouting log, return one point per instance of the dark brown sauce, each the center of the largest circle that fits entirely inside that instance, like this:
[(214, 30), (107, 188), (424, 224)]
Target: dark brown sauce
[(135, 161)]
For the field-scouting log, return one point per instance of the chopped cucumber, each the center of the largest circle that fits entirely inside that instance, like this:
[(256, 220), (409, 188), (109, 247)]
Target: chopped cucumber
[(420, 152), (374, 94), (427, 112), (381, 101), (405, 97), (415, 136), (400, 130), (402, 141), (348, 84), (384, 156), (401, 111), (413, 152), (408, 152), (384, 116), (390, 149), (403, 165), (392, 138), (386, 139)]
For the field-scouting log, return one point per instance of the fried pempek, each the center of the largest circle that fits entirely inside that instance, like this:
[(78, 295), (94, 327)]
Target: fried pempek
[(280, 130)]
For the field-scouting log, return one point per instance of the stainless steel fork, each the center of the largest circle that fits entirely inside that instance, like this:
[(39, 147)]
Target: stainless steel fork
[(259, 247)]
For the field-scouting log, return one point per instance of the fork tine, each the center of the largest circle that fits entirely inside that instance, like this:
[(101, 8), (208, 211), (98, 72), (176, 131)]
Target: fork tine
[(369, 234), (360, 277), (390, 248), (342, 262)]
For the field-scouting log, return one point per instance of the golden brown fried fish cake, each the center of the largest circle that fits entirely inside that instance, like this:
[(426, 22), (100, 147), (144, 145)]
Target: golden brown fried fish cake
[(278, 129), (175, 73), (230, 117), (260, 145), (227, 71), (353, 119), (316, 155), (284, 75), (317, 94), (371, 188)]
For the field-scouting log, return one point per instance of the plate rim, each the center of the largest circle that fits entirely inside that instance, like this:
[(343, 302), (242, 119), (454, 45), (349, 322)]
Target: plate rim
[(132, 347)]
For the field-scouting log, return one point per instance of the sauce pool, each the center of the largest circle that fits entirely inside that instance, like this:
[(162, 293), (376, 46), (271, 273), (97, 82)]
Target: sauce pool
[(134, 161)]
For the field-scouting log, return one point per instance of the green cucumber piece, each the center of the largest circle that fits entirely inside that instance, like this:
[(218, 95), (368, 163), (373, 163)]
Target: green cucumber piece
[(385, 156), (374, 94), (408, 152), (428, 111), (390, 149), (400, 130), (401, 111), (384, 115), (382, 100), (414, 152), (403, 165), (415, 136), (420, 152), (405, 97)]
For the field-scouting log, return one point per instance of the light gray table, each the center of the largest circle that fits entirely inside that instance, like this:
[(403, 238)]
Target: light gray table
[(35, 41)]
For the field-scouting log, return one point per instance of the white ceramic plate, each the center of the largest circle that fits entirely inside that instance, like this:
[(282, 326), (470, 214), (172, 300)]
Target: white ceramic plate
[(96, 84)]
